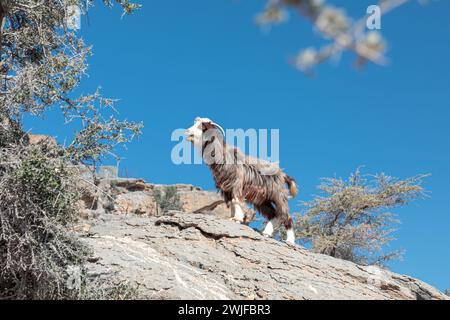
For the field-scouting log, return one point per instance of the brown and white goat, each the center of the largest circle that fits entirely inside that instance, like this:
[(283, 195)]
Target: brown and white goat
[(241, 178)]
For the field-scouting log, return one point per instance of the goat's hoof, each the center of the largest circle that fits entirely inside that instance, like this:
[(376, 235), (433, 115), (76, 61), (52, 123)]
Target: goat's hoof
[(290, 243)]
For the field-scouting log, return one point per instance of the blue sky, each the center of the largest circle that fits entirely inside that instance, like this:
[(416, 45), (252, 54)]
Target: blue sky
[(175, 60)]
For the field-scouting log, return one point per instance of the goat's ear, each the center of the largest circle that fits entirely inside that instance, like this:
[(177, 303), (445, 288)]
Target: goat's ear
[(212, 125), (207, 126)]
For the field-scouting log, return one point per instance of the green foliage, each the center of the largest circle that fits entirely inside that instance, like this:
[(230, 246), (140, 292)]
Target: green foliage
[(43, 182), (36, 206), (11, 135), (167, 200), (348, 220)]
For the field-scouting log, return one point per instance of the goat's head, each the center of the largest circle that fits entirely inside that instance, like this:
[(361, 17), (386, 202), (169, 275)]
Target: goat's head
[(201, 130)]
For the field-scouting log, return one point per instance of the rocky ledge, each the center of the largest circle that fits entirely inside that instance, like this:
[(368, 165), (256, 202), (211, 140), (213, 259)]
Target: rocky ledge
[(201, 256)]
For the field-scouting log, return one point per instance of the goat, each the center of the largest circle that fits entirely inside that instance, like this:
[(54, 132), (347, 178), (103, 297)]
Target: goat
[(241, 178)]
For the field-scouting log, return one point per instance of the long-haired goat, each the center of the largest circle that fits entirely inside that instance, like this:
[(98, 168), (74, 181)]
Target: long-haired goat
[(241, 178)]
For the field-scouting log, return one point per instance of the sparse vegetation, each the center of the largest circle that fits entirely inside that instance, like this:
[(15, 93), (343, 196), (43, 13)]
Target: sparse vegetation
[(349, 219), (167, 199), (36, 206), (42, 62), (107, 290)]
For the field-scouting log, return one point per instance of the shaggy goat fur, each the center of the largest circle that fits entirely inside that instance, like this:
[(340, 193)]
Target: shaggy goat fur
[(241, 178)]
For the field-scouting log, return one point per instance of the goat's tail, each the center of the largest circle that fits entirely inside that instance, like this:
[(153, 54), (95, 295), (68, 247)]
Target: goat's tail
[(293, 190)]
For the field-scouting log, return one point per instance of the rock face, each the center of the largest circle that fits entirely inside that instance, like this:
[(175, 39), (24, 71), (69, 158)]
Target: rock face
[(39, 138), (201, 256), (135, 196), (193, 200)]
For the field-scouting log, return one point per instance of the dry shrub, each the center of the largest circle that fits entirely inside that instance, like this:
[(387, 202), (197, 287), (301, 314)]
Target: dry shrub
[(350, 219), (36, 209), (109, 290), (167, 200)]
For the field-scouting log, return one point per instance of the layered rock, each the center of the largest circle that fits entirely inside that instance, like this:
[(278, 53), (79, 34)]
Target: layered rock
[(135, 196), (201, 256)]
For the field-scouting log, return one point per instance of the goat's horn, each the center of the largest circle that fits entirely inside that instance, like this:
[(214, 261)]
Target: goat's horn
[(220, 128)]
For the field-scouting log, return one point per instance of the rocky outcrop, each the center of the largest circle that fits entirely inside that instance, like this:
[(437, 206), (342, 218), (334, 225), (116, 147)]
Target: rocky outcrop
[(135, 196), (41, 139), (198, 253), (201, 256), (193, 200)]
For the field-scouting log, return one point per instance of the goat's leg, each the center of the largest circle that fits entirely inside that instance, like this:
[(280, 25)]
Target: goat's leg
[(237, 212), (268, 211), (290, 234), (237, 198), (271, 226), (227, 198), (284, 216)]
